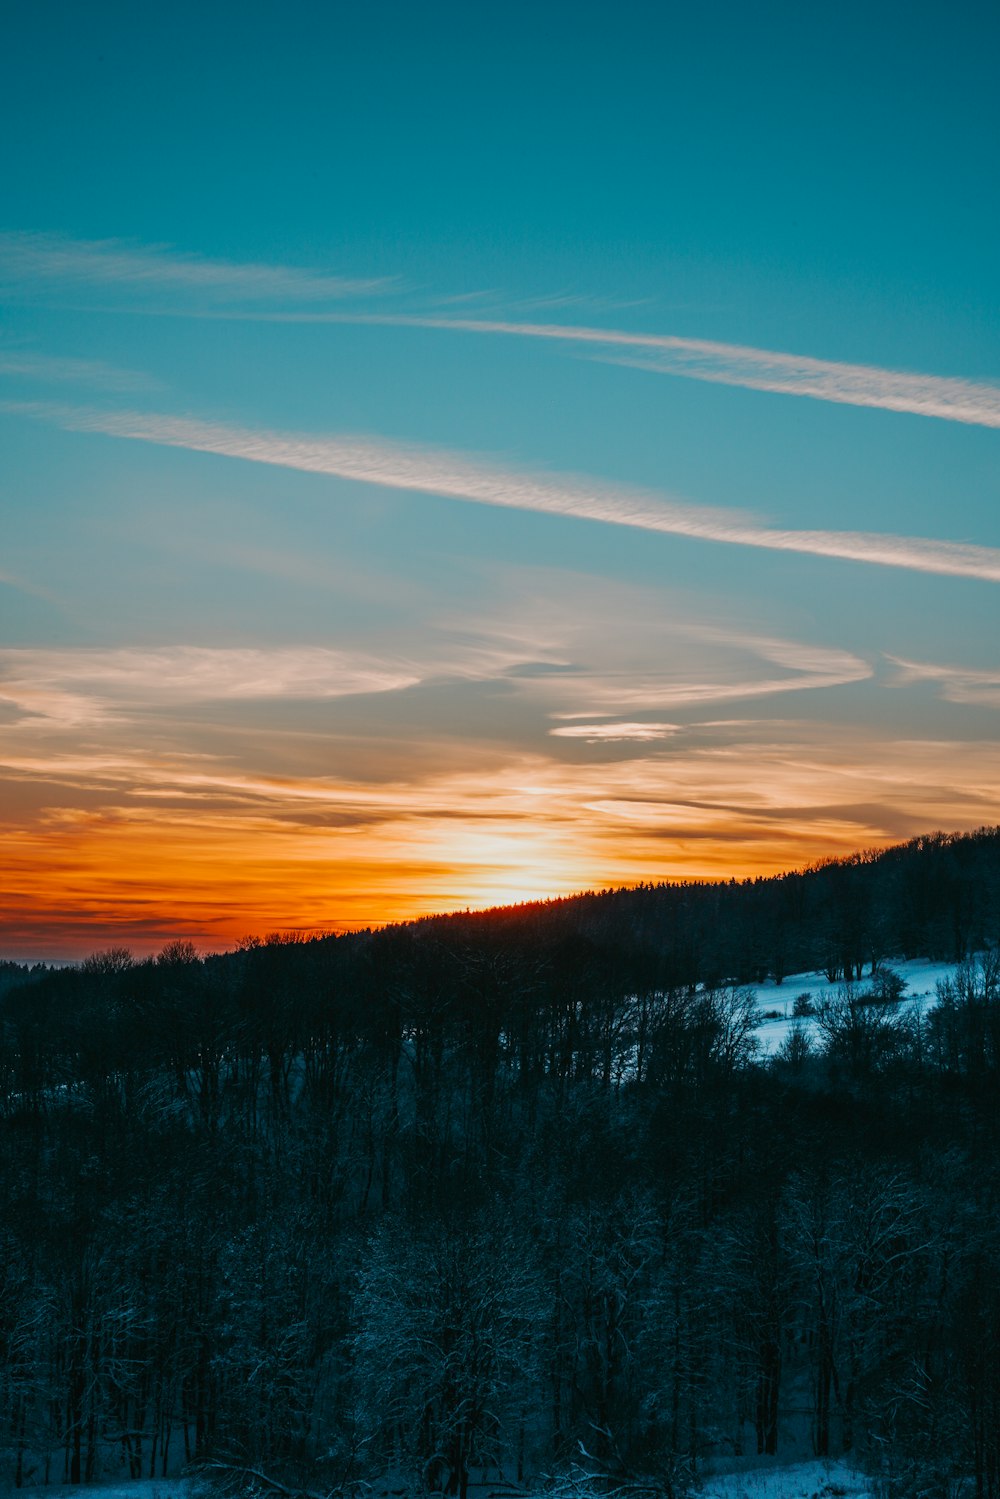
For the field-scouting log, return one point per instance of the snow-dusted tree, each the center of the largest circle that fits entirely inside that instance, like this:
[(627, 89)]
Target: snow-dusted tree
[(703, 1037), (446, 1346), (857, 1035), (964, 1026), (27, 1386), (602, 1283), (796, 1049), (854, 1247)]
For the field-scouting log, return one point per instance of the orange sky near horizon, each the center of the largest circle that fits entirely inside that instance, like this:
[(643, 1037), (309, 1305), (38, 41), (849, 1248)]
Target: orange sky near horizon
[(140, 848)]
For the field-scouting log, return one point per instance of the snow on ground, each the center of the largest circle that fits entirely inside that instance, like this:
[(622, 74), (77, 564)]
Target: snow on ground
[(823, 1478), (122, 1488), (921, 976)]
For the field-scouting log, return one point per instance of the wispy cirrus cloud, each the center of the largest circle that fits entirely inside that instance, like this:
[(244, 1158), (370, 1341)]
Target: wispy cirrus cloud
[(37, 262), (952, 399), (976, 403), (28, 587), (25, 364), (958, 684), (68, 687), (806, 667), (71, 687), (429, 471)]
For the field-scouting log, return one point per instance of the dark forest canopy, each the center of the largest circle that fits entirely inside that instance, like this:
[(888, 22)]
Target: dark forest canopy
[(936, 896), (514, 1191)]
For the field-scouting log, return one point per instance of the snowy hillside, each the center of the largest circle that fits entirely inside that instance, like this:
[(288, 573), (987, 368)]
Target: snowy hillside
[(919, 974)]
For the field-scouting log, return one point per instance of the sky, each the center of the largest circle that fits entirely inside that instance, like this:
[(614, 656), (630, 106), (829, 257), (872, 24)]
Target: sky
[(452, 455)]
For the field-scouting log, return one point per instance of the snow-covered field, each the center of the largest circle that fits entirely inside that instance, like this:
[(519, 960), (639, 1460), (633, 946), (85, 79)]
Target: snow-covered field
[(823, 1478), (921, 977), (819, 1479)]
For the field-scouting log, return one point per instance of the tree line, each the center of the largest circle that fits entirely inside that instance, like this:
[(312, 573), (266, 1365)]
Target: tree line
[(511, 1195), (936, 896)]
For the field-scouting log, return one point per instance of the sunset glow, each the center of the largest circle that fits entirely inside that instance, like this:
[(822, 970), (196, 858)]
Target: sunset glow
[(144, 847)]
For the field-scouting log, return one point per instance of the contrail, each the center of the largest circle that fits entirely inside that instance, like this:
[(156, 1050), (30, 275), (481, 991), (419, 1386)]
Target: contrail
[(40, 260), (976, 403), (429, 471), (53, 259)]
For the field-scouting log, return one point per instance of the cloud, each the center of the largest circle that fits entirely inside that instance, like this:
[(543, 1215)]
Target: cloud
[(427, 471), (29, 588), (973, 402), (38, 261), (956, 400), (77, 686), (615, 733), (719, 679), (959, 684), (93, 372), (951, 399), (71, 687)]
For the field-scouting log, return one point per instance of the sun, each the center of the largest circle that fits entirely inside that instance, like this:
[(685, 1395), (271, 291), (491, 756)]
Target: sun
[(503, 868)]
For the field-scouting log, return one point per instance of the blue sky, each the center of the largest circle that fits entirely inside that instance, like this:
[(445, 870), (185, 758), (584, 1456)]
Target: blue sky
[(454, 454)]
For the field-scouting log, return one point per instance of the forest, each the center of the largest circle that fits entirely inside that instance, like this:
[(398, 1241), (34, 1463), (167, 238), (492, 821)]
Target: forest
[(513, 1197)]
